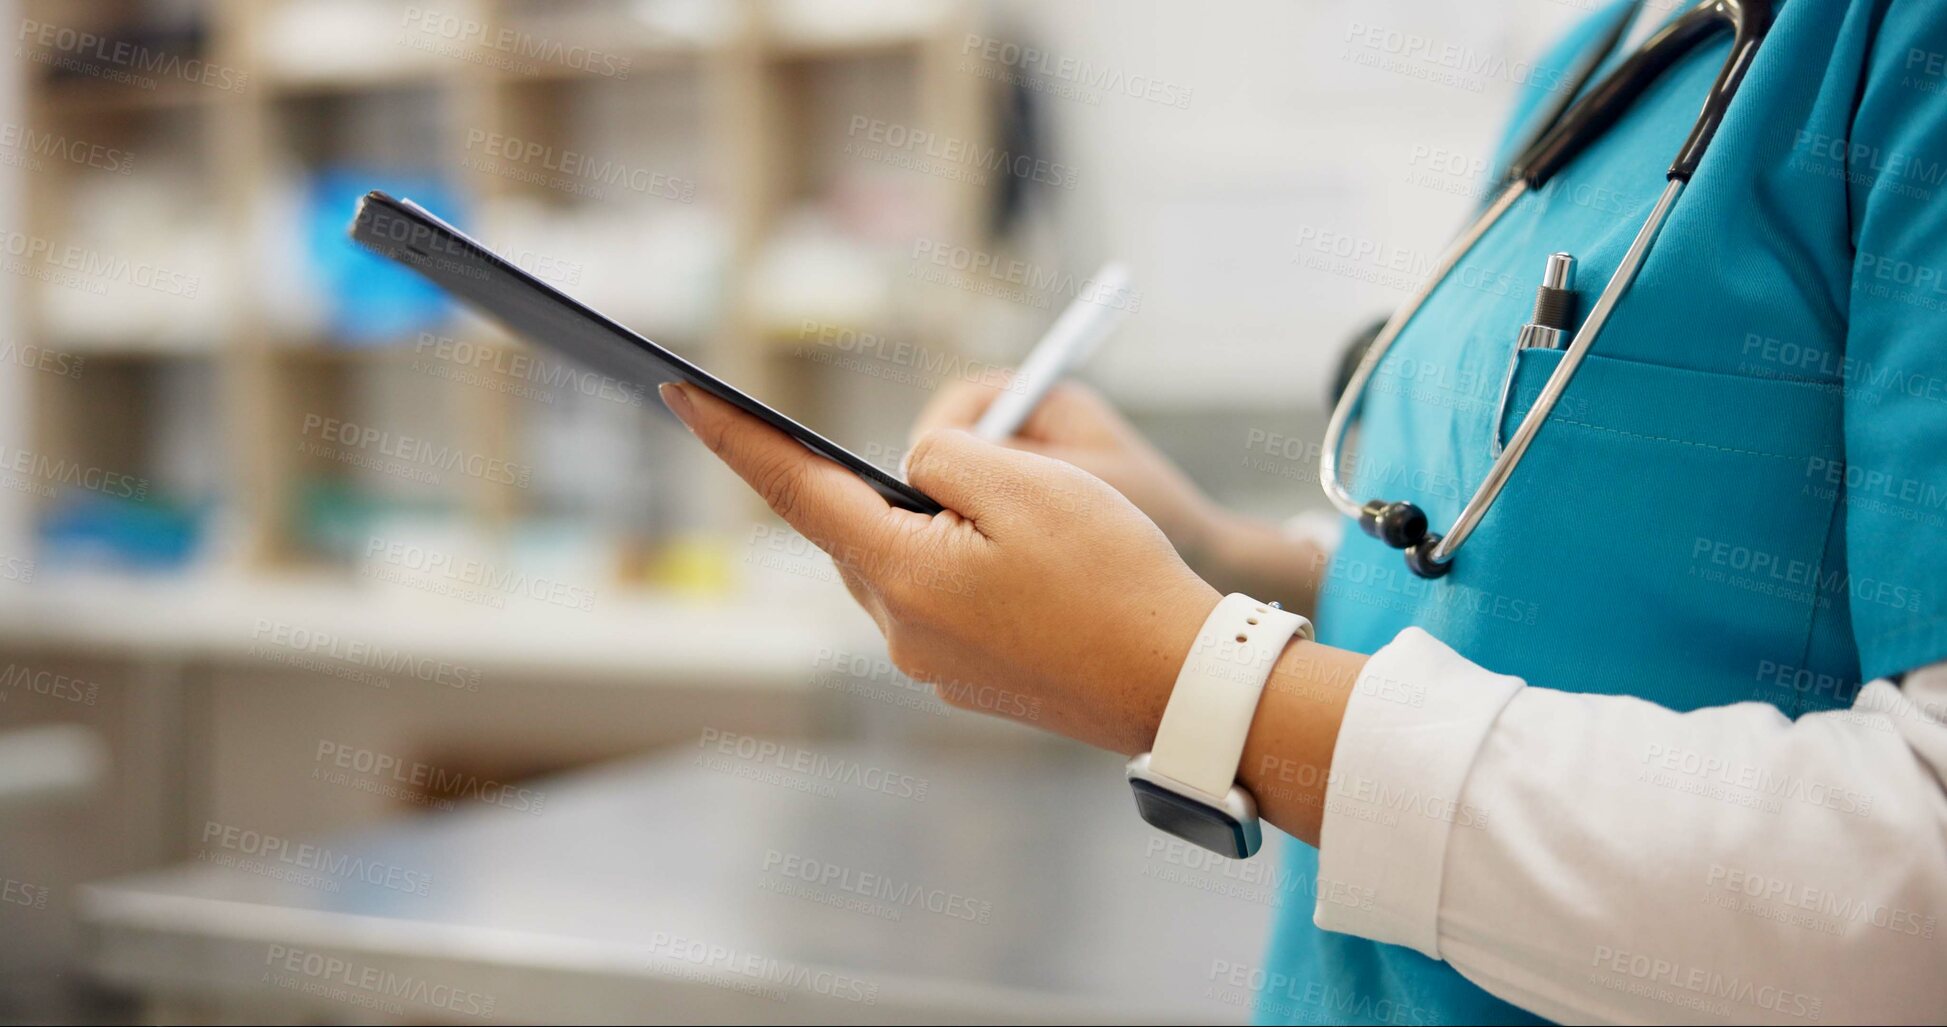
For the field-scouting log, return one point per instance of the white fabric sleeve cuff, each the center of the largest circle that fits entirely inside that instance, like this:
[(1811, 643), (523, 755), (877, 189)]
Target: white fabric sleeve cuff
[(1416, 720)]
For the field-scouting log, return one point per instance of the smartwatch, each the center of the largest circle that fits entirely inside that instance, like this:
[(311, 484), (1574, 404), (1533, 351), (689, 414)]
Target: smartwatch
[(1186, 784)]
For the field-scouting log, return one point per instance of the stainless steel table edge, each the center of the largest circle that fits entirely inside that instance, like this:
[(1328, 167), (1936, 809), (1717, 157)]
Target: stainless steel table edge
[(191, 947)]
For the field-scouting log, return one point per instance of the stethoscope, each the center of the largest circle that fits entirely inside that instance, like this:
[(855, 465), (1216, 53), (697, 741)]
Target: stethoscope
[(1564, 133)]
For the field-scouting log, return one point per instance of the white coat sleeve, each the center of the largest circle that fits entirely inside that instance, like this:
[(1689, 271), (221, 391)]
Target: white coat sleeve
[(1603, 859)]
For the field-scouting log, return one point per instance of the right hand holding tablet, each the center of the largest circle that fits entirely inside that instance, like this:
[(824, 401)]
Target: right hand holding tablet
[(1040, 594)]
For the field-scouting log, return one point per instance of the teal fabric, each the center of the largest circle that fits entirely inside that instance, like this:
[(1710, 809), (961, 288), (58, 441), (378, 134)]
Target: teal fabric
[(1742, 494)]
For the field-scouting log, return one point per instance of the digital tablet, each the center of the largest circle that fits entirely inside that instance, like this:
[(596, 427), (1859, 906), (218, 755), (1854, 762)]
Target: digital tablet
[(536, 311)]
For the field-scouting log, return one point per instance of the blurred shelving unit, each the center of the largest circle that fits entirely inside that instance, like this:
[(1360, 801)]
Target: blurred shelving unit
[(193, 323), (680, 165)]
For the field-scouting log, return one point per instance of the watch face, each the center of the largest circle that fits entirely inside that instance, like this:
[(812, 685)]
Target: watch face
[(1195, 822)]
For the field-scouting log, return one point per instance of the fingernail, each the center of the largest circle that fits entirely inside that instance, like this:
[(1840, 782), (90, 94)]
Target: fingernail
[(676, 401)]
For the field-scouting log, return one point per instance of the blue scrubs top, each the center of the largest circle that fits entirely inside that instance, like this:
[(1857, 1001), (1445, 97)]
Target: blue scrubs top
[(1743, 493)]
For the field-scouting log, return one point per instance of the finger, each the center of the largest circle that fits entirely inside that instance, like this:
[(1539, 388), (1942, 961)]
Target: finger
[(826, 503), (1072, 414), (1052, 450), (958, 405), (989, 484)]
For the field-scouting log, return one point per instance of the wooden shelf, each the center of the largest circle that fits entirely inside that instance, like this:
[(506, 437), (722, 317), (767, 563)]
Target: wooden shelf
[(326, 352), (749, 95), (649, 58), (853, 47), (186, 349), (86, 97), (397, 78)]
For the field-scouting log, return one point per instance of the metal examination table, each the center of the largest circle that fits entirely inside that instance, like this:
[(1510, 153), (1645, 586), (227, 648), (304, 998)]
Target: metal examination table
[(675, 890)]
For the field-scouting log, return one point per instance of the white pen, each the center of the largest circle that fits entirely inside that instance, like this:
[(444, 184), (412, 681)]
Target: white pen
[(1069, 341)]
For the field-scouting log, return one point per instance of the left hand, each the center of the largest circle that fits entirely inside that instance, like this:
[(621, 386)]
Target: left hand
[(1042, 594), (1075, 425)]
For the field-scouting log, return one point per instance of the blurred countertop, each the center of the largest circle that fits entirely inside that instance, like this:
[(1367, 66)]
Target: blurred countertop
[(757, 640), (895, 883)]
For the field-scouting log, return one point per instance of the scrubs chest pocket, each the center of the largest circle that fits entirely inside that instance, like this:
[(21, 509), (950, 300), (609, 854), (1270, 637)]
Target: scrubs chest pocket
[(1694, 507)]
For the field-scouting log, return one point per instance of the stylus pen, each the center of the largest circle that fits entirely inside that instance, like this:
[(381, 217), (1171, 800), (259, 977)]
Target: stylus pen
[(1069, 341)]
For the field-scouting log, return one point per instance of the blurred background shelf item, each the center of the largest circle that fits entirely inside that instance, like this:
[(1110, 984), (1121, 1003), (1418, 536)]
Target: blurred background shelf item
[(49, 766)]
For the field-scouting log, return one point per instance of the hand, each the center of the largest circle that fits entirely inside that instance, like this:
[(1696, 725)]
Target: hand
[(1041, 594), (1075, 425)]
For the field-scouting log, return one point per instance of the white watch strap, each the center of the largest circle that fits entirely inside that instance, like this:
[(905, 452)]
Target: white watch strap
[(1201, 738)]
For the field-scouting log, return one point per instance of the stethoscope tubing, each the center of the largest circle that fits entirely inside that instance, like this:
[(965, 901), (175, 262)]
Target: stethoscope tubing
[(1353, 398), (1430, 555), (1517, 444)]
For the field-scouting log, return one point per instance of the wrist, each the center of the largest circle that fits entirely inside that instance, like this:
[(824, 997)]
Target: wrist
[(1162, 647), (1187, 783), (1288, 754)]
